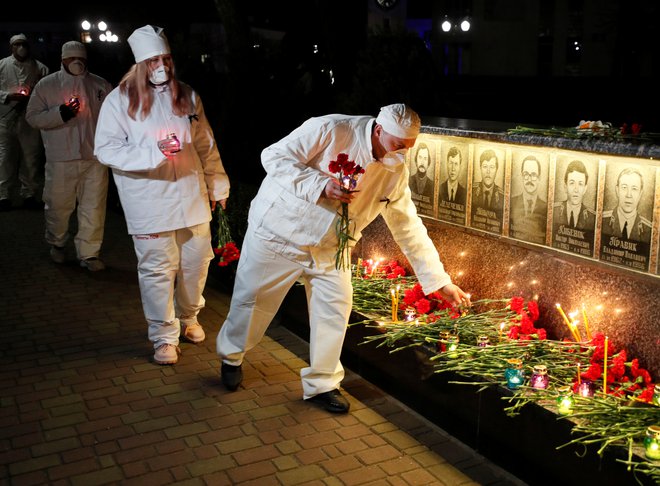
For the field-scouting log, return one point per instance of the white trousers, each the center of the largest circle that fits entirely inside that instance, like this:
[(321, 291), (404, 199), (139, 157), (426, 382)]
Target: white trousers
[(172, 271), (263, 278), (78, 181), (21, 156)]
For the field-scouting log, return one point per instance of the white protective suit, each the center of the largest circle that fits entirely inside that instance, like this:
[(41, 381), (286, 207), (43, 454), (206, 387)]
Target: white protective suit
[(291, 235), (72, 172), (165, 202), (21, 150)]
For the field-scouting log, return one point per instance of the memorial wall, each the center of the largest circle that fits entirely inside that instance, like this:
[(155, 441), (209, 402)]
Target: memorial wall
[(573, 222)]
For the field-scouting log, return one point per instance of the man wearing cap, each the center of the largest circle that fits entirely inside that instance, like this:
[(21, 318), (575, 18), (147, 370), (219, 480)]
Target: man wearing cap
[(65, 106), (21, 149), (291, 236), (153, 133)]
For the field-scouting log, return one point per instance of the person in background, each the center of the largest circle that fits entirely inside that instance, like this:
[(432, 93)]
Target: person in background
[(291, 236), (21, 149), (65, 106), (153, 132)]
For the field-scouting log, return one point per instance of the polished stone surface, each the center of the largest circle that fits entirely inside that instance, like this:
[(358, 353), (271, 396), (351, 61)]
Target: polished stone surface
[(645, 146), (622, 305)]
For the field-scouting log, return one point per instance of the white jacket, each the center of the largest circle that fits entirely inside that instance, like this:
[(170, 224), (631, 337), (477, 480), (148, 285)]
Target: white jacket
[(290, 214), (157, 193), (13, 75), (73, 140)]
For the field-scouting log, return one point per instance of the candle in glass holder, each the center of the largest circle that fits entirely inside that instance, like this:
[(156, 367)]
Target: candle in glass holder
[(586, 389), (483, 341), (656, 395), (565, 400), (540, 378), (652, 442), (170, 144), (409, 313), (452, 346), (514, 373), (442, 344)]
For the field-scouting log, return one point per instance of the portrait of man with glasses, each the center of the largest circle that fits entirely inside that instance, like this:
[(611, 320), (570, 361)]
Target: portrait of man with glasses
[(529, 208)]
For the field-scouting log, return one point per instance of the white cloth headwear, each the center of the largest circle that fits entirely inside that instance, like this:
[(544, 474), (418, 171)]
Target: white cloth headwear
[(16, 38), (399, 120), (147, 42), (73, 49)]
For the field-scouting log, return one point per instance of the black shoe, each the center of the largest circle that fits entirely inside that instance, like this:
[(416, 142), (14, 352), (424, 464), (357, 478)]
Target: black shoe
[(5, 204), (332, 401), (31, 203), (232, 376)]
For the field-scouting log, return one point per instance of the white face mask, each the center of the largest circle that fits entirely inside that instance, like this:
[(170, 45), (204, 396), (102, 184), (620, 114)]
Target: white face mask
[(159, 75), (395, 158), (22, 51), (76, 68)]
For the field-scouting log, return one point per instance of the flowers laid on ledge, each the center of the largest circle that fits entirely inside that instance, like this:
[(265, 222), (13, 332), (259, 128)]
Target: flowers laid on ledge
[(591, 129), (608, 397)]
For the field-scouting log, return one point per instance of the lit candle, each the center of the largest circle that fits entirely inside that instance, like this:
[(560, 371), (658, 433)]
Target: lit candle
[(563, 314), (574, 329), (579, 378), (452, 346), (565, 400), (393, 305), (605, 365), (540, 377), (514, 374), (502, 329), (586, 323), (398, 289), (585, 389), (483, 342), (652, 442), (410, 313)]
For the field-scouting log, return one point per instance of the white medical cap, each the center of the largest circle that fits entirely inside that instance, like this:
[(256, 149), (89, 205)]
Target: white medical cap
[(73, 49), (16, 38), (399, 120), (147, 42)]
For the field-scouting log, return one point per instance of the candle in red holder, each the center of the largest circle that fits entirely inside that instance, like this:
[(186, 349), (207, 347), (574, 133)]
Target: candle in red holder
[(169, 145)]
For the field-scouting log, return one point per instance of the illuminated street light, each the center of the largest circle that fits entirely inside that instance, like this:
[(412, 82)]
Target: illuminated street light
[(85, 25), (446, 25), (465, 25)]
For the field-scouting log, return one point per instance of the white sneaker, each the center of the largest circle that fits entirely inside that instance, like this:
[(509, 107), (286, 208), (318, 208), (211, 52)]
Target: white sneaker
[(92, 264), (194, 333), (57, 254), (167, 354)]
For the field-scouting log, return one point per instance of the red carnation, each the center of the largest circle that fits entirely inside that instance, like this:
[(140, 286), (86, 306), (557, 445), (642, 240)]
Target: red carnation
[(516, 304)]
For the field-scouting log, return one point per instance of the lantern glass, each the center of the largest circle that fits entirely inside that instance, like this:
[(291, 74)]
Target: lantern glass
[(565, 400), (483, 341), (514, 374), (652, 442), (656, 395), (540, 378), (586, 389)]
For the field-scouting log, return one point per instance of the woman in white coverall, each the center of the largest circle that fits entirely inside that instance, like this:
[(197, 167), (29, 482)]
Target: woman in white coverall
[(291, 235), (164, 192), (65, 106)]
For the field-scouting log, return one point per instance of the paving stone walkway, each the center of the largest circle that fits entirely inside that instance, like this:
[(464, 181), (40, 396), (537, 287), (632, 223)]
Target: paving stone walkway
[(83, 404)]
